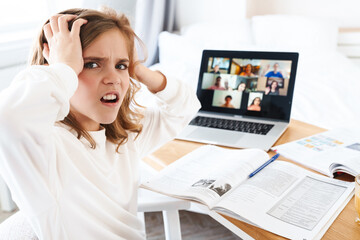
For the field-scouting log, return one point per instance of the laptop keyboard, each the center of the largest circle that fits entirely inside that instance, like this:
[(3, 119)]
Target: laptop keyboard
[(234, 125)]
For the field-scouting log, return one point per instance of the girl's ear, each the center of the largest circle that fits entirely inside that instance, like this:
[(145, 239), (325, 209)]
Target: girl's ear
[(46, 51)]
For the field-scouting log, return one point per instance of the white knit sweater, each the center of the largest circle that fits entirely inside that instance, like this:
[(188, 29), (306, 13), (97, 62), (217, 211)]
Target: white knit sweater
[(66, 189)]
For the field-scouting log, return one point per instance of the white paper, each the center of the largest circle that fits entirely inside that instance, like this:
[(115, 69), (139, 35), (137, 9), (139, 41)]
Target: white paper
[(320, 151)]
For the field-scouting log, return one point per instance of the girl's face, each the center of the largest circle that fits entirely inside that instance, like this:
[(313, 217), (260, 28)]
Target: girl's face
[(103, 81), (257, 101), (274, 85), (241, 87)]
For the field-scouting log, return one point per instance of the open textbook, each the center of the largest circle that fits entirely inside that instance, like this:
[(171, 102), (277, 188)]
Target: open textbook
[(282, 198), (329, 152)]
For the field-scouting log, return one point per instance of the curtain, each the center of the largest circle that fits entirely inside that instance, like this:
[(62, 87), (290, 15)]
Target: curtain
[(151, 18)]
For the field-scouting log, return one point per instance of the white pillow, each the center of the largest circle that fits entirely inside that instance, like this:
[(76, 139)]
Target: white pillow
[(179, 57), (224, 34), (289, 32)]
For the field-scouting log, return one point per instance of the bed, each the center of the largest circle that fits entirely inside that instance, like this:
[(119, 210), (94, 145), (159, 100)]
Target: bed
[(327, 82)]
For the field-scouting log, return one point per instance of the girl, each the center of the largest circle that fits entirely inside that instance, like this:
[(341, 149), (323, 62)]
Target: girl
[(241, 87), (272, 88), (72, 134), (255, 104)]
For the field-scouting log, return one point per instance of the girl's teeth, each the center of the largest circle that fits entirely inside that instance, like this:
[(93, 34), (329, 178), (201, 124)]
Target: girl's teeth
[(110, 97)]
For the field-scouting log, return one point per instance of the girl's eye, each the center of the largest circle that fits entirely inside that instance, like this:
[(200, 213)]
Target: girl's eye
[(121, 66), (90, 65)]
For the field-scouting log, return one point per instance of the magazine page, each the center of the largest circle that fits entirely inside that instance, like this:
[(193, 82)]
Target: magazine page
[(319, 151), (207, 173), (288, 200)]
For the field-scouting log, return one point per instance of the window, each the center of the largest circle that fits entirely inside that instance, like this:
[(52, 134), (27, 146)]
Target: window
[(21, 20), (20, 15)]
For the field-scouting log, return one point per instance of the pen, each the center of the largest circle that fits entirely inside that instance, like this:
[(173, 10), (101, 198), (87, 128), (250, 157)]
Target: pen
[(264, 165)]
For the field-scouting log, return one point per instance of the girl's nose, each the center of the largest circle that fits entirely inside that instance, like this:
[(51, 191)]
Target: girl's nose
[(111, 77)]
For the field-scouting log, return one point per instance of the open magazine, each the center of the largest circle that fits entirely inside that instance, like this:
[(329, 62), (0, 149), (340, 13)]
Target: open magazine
[(333, 151), (282, 198)]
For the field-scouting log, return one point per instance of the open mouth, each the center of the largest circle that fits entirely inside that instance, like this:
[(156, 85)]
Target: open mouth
[(110, 98)]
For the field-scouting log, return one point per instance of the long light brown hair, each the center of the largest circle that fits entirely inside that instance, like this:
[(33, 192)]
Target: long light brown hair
[(129, 116)]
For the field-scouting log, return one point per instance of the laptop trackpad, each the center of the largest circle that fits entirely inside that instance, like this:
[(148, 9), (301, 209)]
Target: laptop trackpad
[(215, 135)]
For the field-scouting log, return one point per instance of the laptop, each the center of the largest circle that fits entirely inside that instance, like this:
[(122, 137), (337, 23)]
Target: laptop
[(246, 98)]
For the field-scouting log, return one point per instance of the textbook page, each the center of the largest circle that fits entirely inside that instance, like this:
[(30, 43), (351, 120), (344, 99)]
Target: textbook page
[(318, 152), (288, 200), (207, 173)]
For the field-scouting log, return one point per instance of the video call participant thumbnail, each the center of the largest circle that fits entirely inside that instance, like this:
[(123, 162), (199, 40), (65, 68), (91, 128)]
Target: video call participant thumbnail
[(227, 99), (255, 104), (217, 84)]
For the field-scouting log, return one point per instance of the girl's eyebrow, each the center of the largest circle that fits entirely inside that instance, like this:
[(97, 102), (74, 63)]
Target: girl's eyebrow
[(100, 59)]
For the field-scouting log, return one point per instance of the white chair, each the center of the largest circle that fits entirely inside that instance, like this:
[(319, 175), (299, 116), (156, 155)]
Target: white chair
[(17, 228), (154, 202), (149, 201), (7, 204)]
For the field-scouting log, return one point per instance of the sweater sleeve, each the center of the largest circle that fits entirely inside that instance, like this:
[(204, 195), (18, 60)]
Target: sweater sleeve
[(177, 105), (29, 107)]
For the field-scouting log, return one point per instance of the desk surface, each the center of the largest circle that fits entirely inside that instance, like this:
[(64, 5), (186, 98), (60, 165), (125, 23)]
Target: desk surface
[(344, 227)]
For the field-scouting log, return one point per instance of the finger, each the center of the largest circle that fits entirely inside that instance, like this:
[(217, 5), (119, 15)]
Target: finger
[(54, 23), (46, 52), (48, 32), (75, 31), (63, 22)]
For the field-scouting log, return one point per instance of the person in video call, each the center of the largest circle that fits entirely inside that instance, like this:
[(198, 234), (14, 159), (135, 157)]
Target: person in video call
[(216, 69), (255, 104), (248, 71), (272, 88), (241, 87), (73, 134), (217, 85), (227, 103), (274, 73)]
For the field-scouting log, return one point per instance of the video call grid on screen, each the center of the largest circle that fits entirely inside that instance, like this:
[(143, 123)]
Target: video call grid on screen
[(248, 83)]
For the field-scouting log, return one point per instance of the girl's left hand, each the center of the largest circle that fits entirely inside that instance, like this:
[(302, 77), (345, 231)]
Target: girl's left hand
[(267, 90)]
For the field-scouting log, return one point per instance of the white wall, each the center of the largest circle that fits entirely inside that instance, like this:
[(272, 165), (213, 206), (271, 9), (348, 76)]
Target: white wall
[(8, 74), (123, 6), (194, 11), (346, 12)]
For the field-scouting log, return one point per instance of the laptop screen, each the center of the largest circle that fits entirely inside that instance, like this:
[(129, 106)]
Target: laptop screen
[(259, 84)]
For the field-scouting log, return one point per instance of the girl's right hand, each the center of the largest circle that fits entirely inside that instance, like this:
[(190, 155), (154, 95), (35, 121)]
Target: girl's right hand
[(64, 46)]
